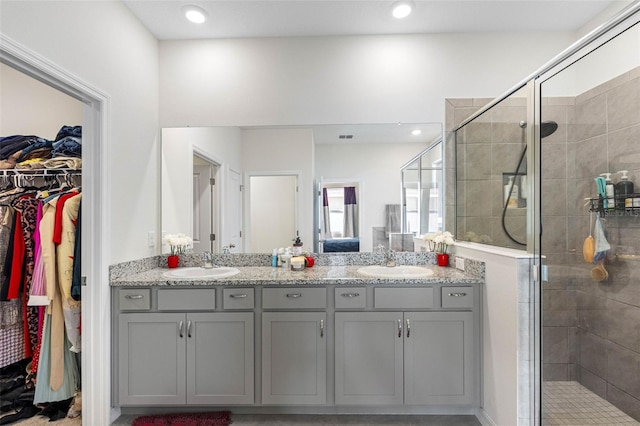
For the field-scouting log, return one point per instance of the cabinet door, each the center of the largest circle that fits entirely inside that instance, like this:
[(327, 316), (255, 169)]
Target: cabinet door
[(438, 351), (368, 360), (294, 358), (220, 358), (151, 359)]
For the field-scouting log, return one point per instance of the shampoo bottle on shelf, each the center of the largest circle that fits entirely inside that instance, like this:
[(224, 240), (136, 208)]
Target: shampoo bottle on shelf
[(610, 202), (274, 258), (511, 194), (624, 191)]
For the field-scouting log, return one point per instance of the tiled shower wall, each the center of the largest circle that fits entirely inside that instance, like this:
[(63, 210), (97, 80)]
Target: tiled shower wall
[(485, 149), (591, 330), (605, 137)]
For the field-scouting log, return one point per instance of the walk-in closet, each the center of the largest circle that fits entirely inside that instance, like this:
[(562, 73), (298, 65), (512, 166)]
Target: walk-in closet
[(40, 249)]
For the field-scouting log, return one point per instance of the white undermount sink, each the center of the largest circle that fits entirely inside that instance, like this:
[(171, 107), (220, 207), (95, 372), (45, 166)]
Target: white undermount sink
[(198, 272), (400, 271)]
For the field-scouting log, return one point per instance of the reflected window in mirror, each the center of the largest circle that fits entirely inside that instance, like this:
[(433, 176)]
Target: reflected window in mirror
[(423, 192)]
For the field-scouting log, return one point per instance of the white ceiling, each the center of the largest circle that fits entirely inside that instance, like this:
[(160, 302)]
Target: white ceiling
[(287, 18)]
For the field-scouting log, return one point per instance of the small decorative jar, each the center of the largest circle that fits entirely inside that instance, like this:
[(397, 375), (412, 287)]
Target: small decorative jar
[(173, 261), (443, 259)]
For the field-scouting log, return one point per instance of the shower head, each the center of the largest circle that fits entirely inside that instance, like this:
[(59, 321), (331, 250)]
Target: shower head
[(547, 128)]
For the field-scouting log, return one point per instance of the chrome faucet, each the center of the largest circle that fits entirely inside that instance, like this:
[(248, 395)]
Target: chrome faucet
[(227, 249), (207, 260), (389, 259)]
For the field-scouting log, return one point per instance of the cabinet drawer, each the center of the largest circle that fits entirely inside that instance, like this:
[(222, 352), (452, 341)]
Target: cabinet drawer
[(134, 299), (457, 297), (186, 299), (237, 298), (294, 298), (351, 298), (403, 298)]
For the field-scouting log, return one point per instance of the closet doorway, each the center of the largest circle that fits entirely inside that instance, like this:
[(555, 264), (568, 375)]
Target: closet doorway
[(95, 238)]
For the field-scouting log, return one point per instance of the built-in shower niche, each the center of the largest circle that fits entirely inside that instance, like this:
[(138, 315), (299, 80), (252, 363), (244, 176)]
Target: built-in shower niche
[(514, 190)]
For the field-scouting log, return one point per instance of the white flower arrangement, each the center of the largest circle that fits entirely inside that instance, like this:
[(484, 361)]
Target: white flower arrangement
[(179, 243), (439, 241)]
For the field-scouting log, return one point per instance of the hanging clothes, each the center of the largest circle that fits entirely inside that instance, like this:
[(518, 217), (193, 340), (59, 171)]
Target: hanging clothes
[(11, 324), (27, 205), (40, 244)]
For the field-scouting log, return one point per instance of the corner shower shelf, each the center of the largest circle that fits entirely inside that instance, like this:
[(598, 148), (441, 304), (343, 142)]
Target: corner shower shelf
[(597, 205)]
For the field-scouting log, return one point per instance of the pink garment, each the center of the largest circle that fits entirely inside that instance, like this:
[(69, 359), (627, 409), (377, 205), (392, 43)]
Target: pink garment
[(38, 291)]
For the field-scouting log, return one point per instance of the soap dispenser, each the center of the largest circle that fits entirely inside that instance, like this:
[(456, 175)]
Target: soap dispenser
[(511, 194), (610, 191), (624, 191)]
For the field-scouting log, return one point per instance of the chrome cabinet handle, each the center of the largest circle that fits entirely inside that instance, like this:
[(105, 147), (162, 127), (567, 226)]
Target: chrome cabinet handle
[(399, 328), (321, 328), (133, 296), (408, 328), (181, 329), (457, 294), (189, 329), (294, 295), (238, 296), (350, 295)]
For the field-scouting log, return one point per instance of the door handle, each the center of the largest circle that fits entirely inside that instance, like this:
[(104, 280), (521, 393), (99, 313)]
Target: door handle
[(399, 328), (321, 328), (408, 328), (238, 296), (350, 295), (181, 329), (189, 329)]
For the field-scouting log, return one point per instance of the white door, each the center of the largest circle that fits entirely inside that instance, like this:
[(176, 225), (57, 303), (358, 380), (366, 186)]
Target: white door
[(234, 210), (203, 208), (273, 218)]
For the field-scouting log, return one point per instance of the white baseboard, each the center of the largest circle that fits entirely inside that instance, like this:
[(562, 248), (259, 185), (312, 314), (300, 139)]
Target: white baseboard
[(484, 418)]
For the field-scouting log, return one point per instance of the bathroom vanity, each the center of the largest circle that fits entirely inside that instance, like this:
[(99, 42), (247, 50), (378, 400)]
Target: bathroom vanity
[(325, 339)]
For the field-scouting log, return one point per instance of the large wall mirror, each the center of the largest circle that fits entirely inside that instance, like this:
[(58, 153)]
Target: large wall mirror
[(360, 165)]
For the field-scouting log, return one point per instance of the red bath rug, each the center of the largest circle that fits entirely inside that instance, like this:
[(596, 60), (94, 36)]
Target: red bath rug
[(216, 418)]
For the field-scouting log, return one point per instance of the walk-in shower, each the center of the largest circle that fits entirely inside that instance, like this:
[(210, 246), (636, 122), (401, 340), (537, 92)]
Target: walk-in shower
[(579, 116)]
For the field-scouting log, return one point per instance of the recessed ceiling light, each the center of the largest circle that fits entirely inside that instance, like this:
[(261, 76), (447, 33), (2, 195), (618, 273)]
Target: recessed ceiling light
[(401, 9), (416, 132), (195, 14)]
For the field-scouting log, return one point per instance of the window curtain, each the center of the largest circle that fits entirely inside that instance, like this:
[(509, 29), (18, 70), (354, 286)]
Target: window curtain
[(325, 229), (350, 212)]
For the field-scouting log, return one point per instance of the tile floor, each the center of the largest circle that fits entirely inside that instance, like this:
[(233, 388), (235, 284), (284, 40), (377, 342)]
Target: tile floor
[(570, 403), (345, 420)]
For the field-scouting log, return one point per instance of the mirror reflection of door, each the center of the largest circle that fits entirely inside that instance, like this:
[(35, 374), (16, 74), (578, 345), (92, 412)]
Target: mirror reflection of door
[(272, 217), (204, 173), (234, 222)]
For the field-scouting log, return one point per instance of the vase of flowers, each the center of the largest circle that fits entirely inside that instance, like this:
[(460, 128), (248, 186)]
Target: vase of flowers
[(439, 242), (178, 244)]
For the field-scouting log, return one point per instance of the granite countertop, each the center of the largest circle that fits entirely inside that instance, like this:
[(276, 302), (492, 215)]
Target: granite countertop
[(317, 275)]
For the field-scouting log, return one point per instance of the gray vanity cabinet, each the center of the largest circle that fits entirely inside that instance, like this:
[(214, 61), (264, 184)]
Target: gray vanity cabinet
[(368, 358), (412, 358), (294, 358), (151, 359), (186, 358), (438, 358)]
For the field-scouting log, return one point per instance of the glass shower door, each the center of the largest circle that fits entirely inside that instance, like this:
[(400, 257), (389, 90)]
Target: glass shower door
[(590, 320)]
